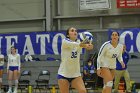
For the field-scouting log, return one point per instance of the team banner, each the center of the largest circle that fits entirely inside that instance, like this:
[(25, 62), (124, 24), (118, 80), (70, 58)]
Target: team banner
[(129, 37), (33, 43), (90, 5), (128, 3)]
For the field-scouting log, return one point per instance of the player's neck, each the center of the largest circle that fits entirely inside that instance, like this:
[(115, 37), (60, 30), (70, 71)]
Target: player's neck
[(73, 39), (114, 44), (13, 53)]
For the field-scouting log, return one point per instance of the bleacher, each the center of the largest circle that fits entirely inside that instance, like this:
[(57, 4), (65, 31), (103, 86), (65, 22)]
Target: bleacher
[(47, 62), (52, 62)]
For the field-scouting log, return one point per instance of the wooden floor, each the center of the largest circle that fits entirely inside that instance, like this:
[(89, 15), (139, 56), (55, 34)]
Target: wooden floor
[(71, 91), (57, 91)]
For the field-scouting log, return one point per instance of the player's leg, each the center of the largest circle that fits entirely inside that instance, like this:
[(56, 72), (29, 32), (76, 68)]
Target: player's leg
[(108, 80), (63, 84), (113, 73), (10, 78), (16, 75), (1, 73), (78, 84)]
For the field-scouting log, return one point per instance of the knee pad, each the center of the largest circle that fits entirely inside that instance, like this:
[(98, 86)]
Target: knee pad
[(0, 80), (16, 81), (109, 84)]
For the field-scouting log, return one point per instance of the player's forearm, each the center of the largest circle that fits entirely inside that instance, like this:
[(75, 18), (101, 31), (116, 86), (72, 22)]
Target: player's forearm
[(82, 45), (120, 59)]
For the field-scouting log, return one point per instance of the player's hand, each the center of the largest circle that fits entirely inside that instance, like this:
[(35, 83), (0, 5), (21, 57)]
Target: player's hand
[(85, 41), (99, 72), (123, 65), (89, 46)]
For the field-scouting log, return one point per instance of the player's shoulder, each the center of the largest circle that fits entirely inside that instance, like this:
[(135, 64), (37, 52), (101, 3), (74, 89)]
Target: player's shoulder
[(120, 45), (9, 55), (18, 54), (66, 39), (107, 43)]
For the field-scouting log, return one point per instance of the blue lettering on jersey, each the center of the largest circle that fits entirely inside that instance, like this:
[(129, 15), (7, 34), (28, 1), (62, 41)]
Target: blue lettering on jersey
[(114, 56), (74, 55)]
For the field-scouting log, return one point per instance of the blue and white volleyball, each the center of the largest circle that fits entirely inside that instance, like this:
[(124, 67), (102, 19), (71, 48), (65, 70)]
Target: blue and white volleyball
[(86, 37)]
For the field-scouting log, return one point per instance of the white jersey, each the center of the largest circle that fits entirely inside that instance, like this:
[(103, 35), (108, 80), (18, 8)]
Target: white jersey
[(13, 60), (70, 57), (108, 54), (1, 61)]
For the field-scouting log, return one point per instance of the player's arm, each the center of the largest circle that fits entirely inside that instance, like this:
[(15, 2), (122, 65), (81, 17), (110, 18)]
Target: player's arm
[(8, 64), (19, 63), (120, 59), (100, 55), (86, 46), (71, 44), (128, 57)]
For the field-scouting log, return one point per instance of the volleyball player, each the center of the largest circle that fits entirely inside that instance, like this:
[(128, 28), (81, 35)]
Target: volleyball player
[(1, 69), (106, 61), (69, 70), (13, 69)]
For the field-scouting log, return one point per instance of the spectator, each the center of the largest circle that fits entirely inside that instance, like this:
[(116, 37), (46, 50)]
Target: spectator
[(89, 71), (122, 72)]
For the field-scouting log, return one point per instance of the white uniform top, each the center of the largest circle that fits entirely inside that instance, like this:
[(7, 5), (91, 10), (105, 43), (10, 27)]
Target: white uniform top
[(70, 57), (108, 54), (13, 60), (2, 62)]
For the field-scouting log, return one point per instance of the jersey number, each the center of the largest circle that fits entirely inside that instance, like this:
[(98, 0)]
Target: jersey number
[(114, 55), (74, 55)]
